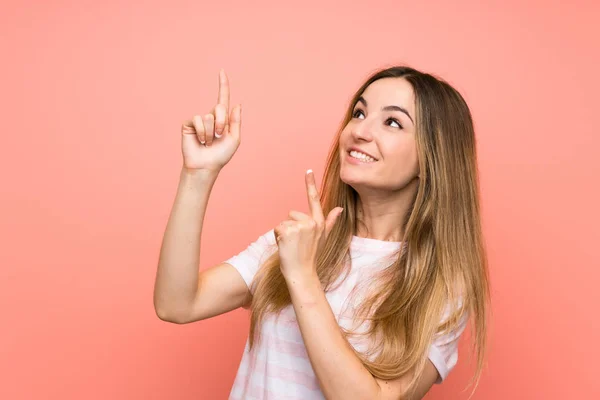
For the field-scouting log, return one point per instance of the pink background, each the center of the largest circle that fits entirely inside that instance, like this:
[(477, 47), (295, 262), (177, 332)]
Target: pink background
[(92, 98)]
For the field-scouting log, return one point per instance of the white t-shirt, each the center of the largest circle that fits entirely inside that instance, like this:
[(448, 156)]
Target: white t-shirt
[(278, 366)]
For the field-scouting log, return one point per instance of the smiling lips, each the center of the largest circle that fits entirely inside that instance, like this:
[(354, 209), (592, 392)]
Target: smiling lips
[(361, 155)]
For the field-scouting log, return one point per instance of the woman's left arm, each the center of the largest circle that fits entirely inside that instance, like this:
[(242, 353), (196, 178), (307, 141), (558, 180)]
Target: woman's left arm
[(340, 372)]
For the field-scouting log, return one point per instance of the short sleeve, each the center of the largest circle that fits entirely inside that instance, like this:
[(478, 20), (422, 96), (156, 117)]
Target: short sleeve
[(249, 260), (443, 352)]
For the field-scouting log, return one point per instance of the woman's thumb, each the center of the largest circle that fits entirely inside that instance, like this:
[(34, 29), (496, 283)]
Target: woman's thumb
[(332, 217)]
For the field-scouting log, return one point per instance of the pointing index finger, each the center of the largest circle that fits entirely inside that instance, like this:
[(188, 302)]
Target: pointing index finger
[(223, 90), (314, 202)]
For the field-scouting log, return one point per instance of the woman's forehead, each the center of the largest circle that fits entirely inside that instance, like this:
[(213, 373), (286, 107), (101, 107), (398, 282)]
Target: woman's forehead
[(390, 91)]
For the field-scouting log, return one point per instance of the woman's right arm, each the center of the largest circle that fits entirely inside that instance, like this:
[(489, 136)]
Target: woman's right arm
[(181, 294)]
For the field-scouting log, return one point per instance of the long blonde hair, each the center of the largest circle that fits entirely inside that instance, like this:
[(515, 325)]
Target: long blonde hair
[(442, 264)]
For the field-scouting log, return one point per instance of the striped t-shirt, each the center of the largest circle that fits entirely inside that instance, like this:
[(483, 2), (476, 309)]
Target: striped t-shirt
[(278, 366)]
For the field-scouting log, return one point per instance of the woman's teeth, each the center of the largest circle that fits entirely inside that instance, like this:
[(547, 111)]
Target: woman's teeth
[(361, 156)]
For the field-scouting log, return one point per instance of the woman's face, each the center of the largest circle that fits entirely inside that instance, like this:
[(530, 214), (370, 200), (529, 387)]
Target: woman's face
[(377, 147)]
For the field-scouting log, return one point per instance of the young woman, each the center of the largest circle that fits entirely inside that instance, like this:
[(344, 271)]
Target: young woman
[(367, 295)]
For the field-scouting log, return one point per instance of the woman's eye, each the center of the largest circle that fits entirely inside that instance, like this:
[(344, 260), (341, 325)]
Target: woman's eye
[(356, 112), (394, 120)]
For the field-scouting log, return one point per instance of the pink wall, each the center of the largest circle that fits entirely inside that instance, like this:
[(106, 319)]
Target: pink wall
[(92, 97)]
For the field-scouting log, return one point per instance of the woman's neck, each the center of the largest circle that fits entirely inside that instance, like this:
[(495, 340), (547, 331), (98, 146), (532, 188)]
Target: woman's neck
[(381, 216)]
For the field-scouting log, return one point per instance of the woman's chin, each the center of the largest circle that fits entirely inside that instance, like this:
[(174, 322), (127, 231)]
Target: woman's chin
[(351, 179)]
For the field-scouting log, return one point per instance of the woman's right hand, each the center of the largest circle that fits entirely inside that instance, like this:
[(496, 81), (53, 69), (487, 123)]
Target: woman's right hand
[(208, 142)]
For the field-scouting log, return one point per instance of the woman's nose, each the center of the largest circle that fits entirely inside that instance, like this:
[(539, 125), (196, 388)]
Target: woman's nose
[(362, 131)]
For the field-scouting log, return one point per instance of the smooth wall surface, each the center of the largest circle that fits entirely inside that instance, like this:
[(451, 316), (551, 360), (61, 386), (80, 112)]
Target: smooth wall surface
[(92, 97)]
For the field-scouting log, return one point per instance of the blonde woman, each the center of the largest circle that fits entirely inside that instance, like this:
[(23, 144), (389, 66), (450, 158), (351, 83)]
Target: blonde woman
[(366, 296)]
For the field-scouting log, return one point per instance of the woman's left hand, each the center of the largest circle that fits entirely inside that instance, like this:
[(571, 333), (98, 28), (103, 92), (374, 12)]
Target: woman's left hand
[(301, 236)]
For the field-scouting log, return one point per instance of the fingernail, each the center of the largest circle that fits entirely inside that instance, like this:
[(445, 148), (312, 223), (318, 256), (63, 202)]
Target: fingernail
[(309, 171)]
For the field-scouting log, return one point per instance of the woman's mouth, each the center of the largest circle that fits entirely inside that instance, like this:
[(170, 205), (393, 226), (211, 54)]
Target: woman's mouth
[(361, 157)]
